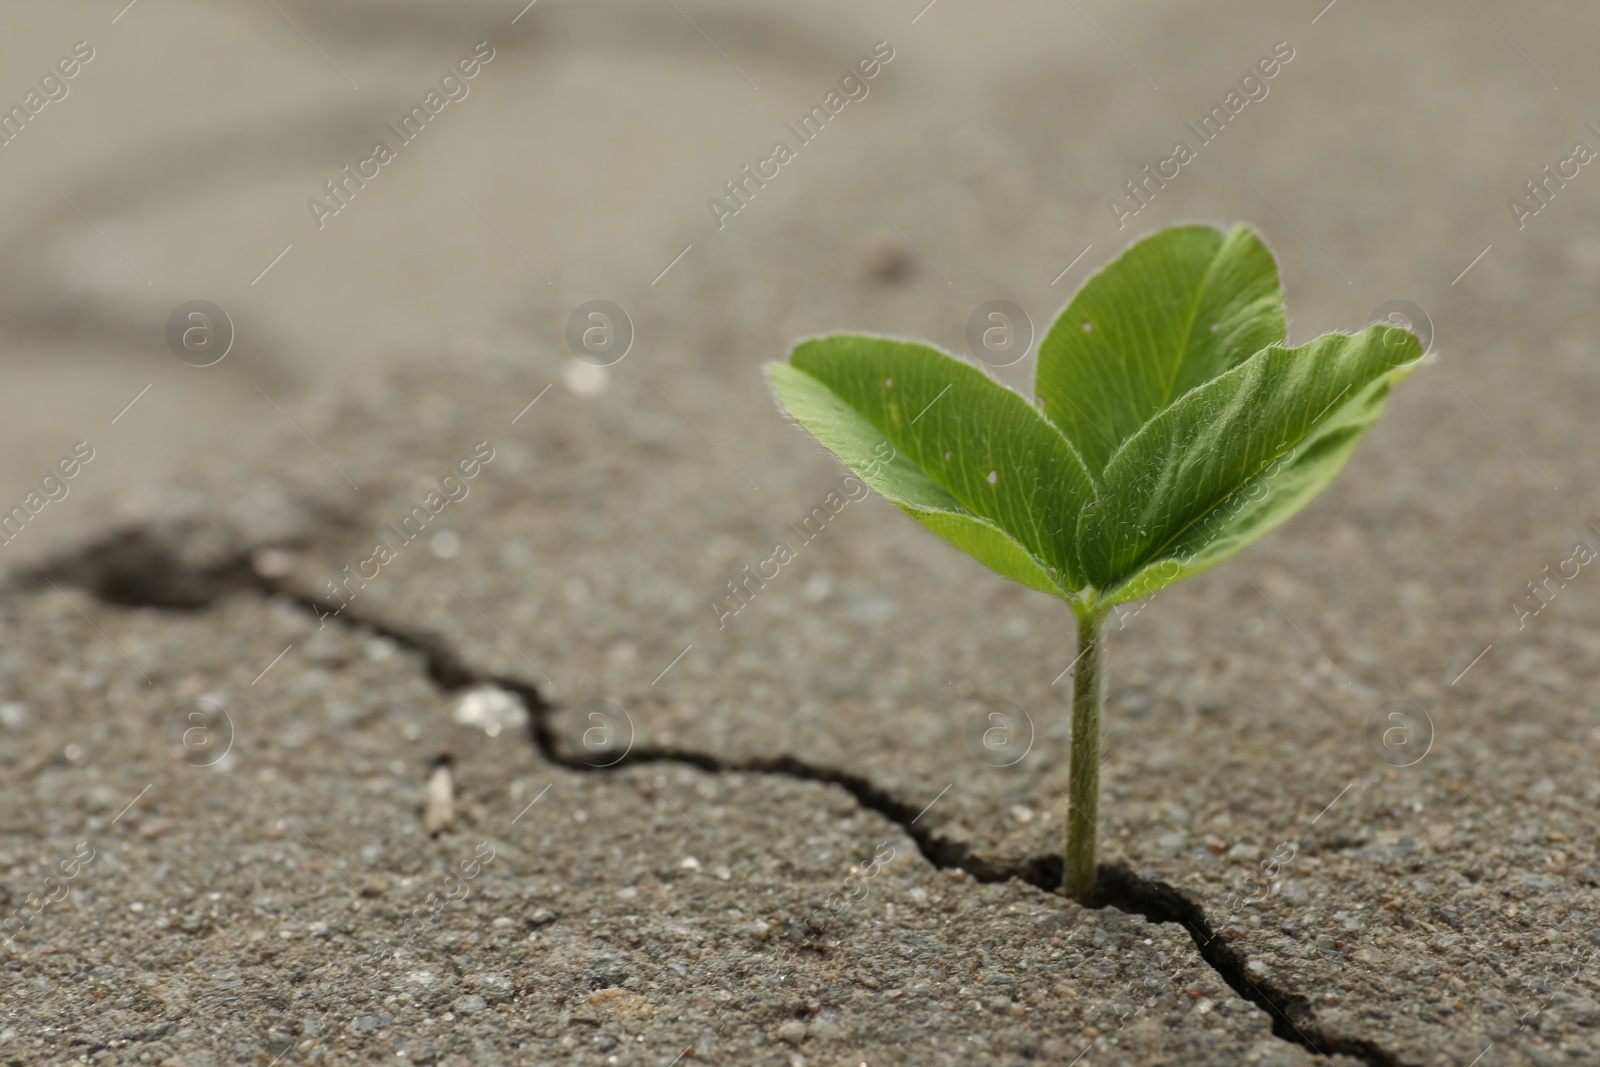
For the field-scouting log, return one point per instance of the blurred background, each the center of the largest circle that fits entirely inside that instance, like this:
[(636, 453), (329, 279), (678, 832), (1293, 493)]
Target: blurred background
[(180, 160)]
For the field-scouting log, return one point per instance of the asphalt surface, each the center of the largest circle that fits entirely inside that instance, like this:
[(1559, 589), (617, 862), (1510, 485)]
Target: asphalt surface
[(1349, 801)]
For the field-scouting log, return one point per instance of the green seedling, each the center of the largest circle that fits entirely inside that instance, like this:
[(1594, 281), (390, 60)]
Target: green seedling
[(1170, 427)]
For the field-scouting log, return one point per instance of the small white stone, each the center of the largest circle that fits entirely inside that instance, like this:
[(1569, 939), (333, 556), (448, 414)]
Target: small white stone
[(817, 587), (438, 806), (585, 379), (445, 545), (490, 708), (272, 562)]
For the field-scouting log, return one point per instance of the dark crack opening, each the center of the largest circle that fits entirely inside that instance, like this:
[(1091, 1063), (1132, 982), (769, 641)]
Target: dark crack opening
[(140, 567)]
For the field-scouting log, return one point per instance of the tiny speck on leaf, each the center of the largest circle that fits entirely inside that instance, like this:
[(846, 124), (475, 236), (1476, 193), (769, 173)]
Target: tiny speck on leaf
[(993, 476), (1088, 327), (947, 457), (1215, 326), (888, 383)]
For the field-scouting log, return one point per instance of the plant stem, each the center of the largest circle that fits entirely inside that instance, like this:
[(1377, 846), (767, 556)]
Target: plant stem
[(1083, 810)]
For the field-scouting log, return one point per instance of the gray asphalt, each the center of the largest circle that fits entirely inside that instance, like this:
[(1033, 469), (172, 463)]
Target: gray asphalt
[(1348, 775)]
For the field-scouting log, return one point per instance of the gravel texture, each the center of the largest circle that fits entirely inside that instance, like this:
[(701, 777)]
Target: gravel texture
[(266, 888), (1356, 753)]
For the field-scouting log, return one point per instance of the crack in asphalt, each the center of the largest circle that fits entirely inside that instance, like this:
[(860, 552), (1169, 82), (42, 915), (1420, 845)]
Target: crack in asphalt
[(136, 567)]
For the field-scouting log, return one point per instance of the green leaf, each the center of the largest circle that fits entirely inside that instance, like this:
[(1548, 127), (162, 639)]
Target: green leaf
[(1172, 312), (959, 452), (1174, 432), (1235, 457), (861, 448)]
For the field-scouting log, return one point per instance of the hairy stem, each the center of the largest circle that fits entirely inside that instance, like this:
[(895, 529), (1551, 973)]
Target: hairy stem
[(1083, 811)]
